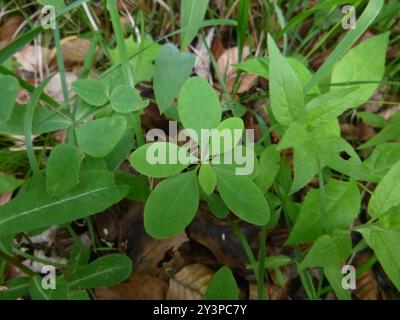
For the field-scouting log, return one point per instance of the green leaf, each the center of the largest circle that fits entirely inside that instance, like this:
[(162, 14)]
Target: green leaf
[(125, 99), (139, 188), (257, 66), (91, 91), (172, 68), (365, 62), (302, 72), (342, 205), (17, 287), (160, 159), (226, 136), (198, 106), (8, 183), (44, 121), (172, 205), (79, 255), (386, 194), (389, 132), (269, 168), (192, 16), (242, 196), (207, 178), (278, 261), (327, 107), (62, 173), (98, 137), (286, 93), (37, 292), (8, 92), (334, 275), (328, 250), (222, 286), (59, 5), (382, 159), (105, 271), (217, 206), (34, 209), (372, 119), (385, 244)]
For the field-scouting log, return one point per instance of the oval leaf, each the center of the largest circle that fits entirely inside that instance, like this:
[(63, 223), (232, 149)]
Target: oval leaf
[(207, 178), (222, 286), (8, 92), (126, 99), (91, 91)]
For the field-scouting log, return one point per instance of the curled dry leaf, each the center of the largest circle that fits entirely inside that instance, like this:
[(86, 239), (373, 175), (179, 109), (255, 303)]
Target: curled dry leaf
[(366, 285), (74, 50), (190, 283), (226, 67), (138, 287), (8, 29), (54, 88), (273, 292)]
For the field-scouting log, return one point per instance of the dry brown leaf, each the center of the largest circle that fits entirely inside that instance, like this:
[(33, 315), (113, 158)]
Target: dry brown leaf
[(74, 50), (7, 30), (5, 197), (28, 57), (273, 292), (367, 285), (138, 287), (203, 60), (54, 88), (190, 283), (226, 67)]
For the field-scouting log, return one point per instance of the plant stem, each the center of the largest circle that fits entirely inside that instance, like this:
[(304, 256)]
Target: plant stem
[(322, 198), (16, 263), (262, 295)]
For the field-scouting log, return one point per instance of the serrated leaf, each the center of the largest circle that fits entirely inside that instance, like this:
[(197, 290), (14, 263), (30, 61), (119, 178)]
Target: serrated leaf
[(207, 178), (160, 159), (385, 244), (386, 194), (8, 92), (98, 137), (105, 271), (62, 173), (199, 106), (172, 205), (36, 209), (242, 196), (91, 91), (286, 93), (125, 99), (172, 68), (222, 286)]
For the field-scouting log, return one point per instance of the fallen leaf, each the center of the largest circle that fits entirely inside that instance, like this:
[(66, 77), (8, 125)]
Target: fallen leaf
[(28, 57), (74, 50), (190, 283), (8, 29), (203, 60)]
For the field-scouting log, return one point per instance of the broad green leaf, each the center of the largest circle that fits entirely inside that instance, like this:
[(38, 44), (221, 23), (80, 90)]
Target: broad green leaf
[(327, 107), (391, 219), (62, 173), (382, 159), (334, 275), (17, 287), (98, 137), (342, 205), (79, 255), (305, 165), (226, 136), (172, 205), (257, 66), (8, 183), (108, 270), (269, 168), (386, 194), (242, 196), (172, 68), (34, 209), (59, 5), (121, 150), (192, 16), (328, 250), (91, 91), (142, 56), (303, 74), (207, 178), (44, 120), (79, 295), (38, 292), (285, 91), (385, 244), (273, 262), (222, 286), (139, 188), (160, 159), (295, 136), (217, 206), (199, 106), (8, 92), (372, 119), (365, 62), (125, 99)]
